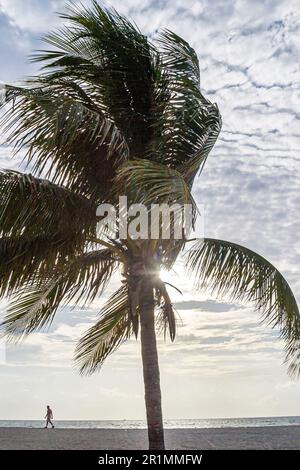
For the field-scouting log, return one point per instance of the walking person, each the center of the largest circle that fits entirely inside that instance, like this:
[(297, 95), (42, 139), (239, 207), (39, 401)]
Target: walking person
[(48, 417)]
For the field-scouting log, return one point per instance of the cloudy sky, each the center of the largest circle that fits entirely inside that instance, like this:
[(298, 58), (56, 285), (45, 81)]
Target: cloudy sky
[(224, 363)]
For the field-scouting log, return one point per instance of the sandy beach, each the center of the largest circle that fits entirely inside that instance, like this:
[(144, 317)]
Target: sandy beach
[(277, 437)]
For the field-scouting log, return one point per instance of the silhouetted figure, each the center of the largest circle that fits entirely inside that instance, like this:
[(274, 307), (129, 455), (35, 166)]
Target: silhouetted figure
[(48, 417)]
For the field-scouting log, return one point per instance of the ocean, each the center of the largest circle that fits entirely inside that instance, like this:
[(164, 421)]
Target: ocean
[(168, 423)]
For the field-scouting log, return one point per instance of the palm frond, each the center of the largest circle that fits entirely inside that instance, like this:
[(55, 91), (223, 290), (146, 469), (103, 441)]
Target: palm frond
[(187, 124), (180, 59), (88, 275), (149, 183), (230, 269), (106, 335), (31, 206), (32, 310), (66, 134), (35, 305), (24, 260), (110, 55), (42, 225), (159, 188), (209, 125)]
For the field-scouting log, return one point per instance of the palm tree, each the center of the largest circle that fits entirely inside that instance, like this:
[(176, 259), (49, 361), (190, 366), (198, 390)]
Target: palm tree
[(111, 114)]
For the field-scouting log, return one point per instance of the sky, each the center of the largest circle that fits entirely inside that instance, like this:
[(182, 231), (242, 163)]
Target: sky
[(224, 362)]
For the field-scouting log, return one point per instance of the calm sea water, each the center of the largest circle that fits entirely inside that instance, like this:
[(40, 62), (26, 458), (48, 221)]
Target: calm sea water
[(173, 423)]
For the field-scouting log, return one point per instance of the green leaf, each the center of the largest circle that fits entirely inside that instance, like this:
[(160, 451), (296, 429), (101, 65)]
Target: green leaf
[(26, 260), (187, 124), (81, 279), (66, 134), (106, 335), (31, 206), (114, 60), (148, 183), (179, 58)]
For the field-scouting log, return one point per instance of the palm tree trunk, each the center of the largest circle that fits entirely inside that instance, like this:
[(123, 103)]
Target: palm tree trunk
[(151, 371)]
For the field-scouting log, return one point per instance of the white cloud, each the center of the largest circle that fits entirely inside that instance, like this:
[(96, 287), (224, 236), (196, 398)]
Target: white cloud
[(30, 15)]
